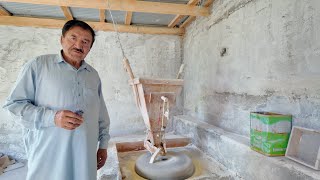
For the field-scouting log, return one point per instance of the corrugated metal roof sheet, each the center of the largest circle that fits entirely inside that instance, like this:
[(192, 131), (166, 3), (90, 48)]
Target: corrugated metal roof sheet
[(34, 10), (141, 17), (85, 14), (118, 16), (151, 19)]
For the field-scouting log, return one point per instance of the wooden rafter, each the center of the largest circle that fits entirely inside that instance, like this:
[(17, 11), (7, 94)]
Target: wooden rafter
[(190, 19), (178, 18), (4, 12), (128, 18), (67, 13), (102, 15), (55, 23), (175, 21), (126, 5), (187, 22), (208, 3)]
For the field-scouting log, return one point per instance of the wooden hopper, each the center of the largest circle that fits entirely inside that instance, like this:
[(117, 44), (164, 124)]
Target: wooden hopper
[(153, 97)]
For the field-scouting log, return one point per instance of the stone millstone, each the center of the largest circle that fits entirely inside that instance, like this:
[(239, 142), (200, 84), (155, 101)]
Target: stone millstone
[(174, 165)]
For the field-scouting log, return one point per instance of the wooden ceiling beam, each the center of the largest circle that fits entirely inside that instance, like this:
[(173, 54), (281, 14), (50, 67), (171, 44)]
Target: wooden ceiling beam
[(190, 19), (126, 5), (99, 26), (67, 13), (4, 12), (128, 18), (102, 15), (178, 18)]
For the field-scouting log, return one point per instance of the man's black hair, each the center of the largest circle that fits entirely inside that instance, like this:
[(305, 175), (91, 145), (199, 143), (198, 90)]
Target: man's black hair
[(83, 25)]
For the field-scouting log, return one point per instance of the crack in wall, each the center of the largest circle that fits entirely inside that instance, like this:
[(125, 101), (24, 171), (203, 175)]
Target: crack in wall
[(229, 12)]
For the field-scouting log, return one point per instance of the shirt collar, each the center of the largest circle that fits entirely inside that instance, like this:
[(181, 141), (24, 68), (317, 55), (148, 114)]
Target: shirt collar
[(59, 59), (84, 65)]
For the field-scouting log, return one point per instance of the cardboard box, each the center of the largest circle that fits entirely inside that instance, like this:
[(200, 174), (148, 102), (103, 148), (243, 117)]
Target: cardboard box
[(270, 132)]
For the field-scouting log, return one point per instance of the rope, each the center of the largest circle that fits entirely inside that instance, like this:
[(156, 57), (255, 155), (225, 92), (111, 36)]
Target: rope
[(116, 29), (125, 59)]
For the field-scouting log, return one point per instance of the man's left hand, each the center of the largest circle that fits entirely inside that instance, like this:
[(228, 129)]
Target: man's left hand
[(101, 158)]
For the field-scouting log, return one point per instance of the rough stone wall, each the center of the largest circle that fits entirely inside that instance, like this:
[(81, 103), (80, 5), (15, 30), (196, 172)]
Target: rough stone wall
[(157, 56), (254, 55)]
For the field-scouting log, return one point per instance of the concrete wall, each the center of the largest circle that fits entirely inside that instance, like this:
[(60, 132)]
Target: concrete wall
[(149, 55), (254, 55)]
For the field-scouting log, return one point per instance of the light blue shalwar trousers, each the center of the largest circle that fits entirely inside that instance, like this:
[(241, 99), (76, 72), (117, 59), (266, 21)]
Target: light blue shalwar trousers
[(46, 85)]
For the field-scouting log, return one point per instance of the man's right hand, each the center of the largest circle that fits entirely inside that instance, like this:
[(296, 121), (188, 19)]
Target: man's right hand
[(67, 120)]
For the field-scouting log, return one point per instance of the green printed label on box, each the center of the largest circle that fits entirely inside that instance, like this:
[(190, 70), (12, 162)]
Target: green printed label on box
[(269, 143)]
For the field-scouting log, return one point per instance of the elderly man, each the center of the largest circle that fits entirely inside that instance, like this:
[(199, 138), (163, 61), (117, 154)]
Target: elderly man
[(58, 100)]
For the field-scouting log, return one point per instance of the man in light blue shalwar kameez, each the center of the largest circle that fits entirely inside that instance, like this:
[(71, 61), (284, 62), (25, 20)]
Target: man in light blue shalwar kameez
[(58, 100)]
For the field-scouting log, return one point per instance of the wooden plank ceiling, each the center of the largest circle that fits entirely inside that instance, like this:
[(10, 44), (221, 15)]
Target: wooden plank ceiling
[(185, 14)]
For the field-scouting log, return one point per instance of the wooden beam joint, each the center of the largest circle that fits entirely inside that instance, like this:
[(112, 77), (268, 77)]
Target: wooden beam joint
[(4, 12), (67, 13), (178, 18)]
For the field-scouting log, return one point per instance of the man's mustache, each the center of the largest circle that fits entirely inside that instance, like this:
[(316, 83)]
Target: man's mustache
[(80, 50)]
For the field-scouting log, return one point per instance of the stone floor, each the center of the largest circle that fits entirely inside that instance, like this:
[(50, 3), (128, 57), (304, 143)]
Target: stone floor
[(205, 167)]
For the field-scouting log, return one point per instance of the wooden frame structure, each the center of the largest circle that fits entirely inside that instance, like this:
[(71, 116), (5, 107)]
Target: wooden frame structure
[(189, 12), (152, 97)]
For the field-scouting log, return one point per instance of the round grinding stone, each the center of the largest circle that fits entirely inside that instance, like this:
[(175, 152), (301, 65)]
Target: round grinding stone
[(174, 165)]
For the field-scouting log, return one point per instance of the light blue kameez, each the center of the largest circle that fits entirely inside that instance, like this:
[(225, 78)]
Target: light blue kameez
[(48, 84)]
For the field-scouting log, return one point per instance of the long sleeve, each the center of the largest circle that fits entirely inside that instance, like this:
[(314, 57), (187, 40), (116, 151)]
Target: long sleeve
[(104, 123), (21, 101)]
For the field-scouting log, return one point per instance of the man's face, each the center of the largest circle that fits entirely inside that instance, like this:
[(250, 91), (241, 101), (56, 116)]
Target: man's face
[(76, 43)]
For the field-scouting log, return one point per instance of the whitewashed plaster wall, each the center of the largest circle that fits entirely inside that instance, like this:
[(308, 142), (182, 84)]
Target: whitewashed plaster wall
[(271, 62), (157, 56)]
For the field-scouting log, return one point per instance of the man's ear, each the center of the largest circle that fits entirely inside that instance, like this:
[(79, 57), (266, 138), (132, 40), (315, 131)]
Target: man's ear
[(61, 39)]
